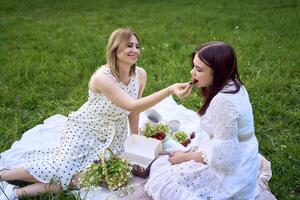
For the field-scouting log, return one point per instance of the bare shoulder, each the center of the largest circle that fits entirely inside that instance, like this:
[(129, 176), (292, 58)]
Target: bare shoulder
[(142, 74), (97, 76), (99, 80)]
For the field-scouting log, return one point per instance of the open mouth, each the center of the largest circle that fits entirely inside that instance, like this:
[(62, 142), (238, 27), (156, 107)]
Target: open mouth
[(193, 81)]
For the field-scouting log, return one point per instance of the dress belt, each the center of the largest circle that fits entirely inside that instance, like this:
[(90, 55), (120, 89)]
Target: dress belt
[(245, 137), (241, 138)]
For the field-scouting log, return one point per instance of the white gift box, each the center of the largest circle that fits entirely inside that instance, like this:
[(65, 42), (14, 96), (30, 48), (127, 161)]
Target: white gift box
[(140, 152)]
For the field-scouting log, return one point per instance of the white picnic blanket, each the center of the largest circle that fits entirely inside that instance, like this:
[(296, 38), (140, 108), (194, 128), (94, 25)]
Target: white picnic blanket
[(47, 135)]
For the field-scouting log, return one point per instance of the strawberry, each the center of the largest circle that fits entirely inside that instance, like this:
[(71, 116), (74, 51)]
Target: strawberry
[(193, 81), (163, 135), (185, 142), (159, 135)]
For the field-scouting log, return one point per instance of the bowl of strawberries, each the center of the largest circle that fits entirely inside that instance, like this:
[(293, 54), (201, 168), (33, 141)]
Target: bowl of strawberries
[(181, 141), (157, 131), (182, 138)]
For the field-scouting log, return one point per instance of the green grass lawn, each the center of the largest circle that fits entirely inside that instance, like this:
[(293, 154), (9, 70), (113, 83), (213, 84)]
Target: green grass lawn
[(48, 50)]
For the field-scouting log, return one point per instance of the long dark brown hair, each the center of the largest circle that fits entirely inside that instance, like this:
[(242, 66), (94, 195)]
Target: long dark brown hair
[(221, 58)]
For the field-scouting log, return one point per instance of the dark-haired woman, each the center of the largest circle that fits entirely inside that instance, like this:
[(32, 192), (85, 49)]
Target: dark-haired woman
[(226, 165)]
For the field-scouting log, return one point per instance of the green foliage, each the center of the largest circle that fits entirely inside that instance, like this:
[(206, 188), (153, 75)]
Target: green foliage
[(49, 49), (151, 130), (179, 136), (93, 176), (117, 170), (119, 173)]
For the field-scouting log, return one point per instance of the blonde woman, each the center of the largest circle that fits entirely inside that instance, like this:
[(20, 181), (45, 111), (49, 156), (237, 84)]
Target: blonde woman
[(115, 91)]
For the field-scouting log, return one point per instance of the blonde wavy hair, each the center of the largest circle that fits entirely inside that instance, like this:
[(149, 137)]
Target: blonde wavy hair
[(118, 41)]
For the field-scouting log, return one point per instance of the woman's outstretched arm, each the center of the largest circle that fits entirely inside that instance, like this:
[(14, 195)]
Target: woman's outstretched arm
[(112, 91)]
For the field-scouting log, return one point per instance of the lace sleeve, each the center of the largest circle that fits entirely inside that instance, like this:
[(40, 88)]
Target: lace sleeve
[(224, 118)]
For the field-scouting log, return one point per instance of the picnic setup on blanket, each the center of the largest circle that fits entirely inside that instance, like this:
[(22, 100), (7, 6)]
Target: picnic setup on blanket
[(165, 128)]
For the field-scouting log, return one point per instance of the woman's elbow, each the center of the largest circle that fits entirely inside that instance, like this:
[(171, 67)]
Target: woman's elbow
[(135, 110), (132, 107)]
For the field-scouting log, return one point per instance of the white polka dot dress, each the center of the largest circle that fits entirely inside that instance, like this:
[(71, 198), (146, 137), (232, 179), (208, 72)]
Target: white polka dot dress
[(97, 124)]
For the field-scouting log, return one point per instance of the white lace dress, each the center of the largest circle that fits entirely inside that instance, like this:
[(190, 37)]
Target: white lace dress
[(231, 152), (97, 124)]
